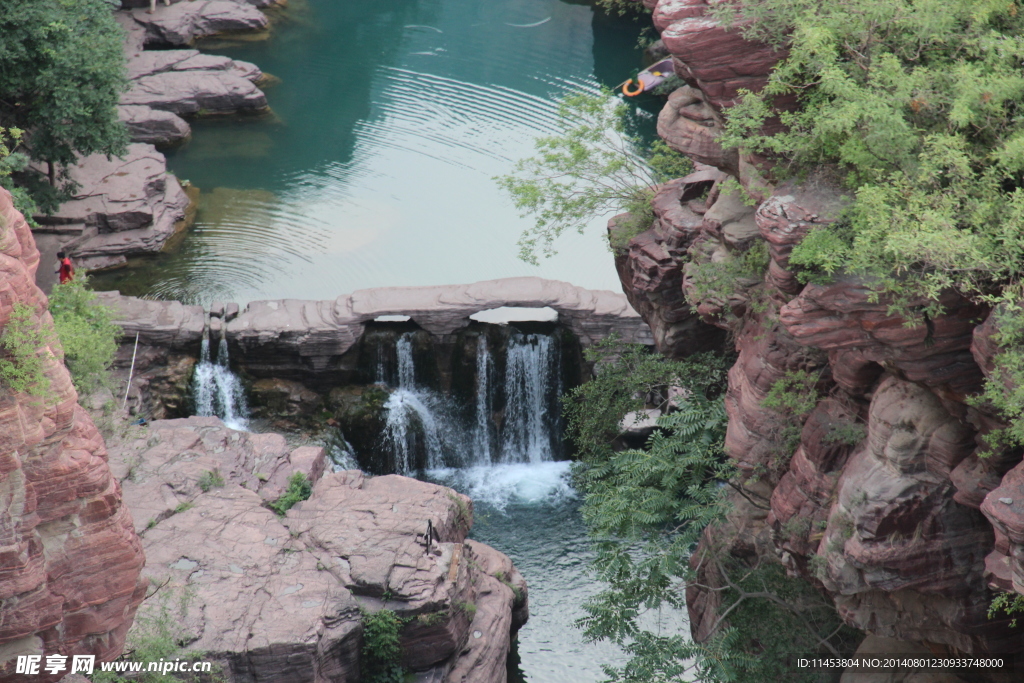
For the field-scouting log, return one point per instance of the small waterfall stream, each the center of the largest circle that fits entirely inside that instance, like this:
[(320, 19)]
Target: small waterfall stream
[(216, 391), (425, 430), (416, 417), (528, 374), (482, 443)]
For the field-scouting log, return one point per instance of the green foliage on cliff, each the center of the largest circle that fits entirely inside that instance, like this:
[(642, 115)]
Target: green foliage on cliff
[(623, 7), (629, 377), (23, 347), (1008, 604), (721, 279), (382, 649), (11, 162), (62, 71), (592, 168), (649, 507), (915, 106), (86, 331)]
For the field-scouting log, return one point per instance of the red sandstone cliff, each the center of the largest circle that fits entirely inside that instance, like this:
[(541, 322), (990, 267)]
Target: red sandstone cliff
[(907, 528), (70, 560)]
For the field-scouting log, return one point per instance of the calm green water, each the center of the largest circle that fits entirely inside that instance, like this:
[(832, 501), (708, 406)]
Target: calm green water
[(531, 513), (390, 121)]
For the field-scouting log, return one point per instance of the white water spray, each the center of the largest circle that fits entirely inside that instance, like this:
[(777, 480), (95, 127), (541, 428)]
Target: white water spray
[(482, 430), (530, 366), (216, 390)]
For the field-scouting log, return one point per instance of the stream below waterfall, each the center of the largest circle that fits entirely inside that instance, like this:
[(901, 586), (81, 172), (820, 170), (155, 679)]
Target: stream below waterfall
[(531, 513)]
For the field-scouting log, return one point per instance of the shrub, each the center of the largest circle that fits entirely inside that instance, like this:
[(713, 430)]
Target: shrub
[(299, 489), (24, 345), (86, 331), (210, 479), (382, 649)]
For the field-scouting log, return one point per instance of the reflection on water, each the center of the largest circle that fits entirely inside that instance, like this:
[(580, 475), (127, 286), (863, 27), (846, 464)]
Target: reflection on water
[(530, 513), (389, 123)]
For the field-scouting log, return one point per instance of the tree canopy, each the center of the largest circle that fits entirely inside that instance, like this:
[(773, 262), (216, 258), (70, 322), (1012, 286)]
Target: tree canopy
[(62, 71), (915, 104), (648, 508)]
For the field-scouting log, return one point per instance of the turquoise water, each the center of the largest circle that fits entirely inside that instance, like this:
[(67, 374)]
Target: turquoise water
[(390, 121), (531, 513)]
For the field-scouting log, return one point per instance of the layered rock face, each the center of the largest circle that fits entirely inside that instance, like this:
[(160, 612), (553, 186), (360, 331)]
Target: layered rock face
[(70, 559), (280, 598), (891, 500)]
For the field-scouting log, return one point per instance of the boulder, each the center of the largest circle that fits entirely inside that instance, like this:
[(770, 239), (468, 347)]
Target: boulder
[(183, 22)]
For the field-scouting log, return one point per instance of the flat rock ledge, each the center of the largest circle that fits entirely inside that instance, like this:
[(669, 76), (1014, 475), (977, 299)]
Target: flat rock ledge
[(132, 205), (123, 207), (309, 340), (281, 598), (185, 21)]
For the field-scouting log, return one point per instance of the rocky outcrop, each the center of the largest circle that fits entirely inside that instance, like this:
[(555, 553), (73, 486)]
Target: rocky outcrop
[(186, 82), (317, 342), (131, 205), (651, 267), (70, 560), (122, 207), (183, 22), (283, 596), (893, 497)]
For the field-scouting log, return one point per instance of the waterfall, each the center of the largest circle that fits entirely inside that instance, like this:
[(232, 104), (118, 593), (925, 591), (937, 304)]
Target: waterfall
[(406, 365), (216, 390), (482, 430), (417, 420), (424, 429), (528, 383), (411, 420)]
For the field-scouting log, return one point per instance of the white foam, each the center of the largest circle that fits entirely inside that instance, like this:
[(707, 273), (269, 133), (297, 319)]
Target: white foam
[(499, 485)]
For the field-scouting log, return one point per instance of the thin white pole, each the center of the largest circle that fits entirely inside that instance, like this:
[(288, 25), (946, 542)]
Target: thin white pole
[(130, 372)]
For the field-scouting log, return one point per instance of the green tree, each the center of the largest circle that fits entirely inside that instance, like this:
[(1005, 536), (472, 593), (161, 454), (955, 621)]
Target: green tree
[(915, 106), (62, 71), (594, 167), (649, 507)]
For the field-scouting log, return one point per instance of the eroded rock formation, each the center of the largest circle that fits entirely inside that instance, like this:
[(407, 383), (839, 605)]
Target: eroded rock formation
[(317, 343), (891, 500), (70, 559), (280, 597)]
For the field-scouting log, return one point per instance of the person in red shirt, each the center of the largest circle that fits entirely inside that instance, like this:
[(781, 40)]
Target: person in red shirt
[(66, 271)]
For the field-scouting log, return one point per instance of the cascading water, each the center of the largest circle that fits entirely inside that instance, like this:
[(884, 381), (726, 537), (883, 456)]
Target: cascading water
[(416, 418), (482, 429), (530, 366), (216, 391)]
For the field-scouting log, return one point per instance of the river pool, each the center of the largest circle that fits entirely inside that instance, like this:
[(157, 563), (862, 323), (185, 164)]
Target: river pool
[(376, 168)]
